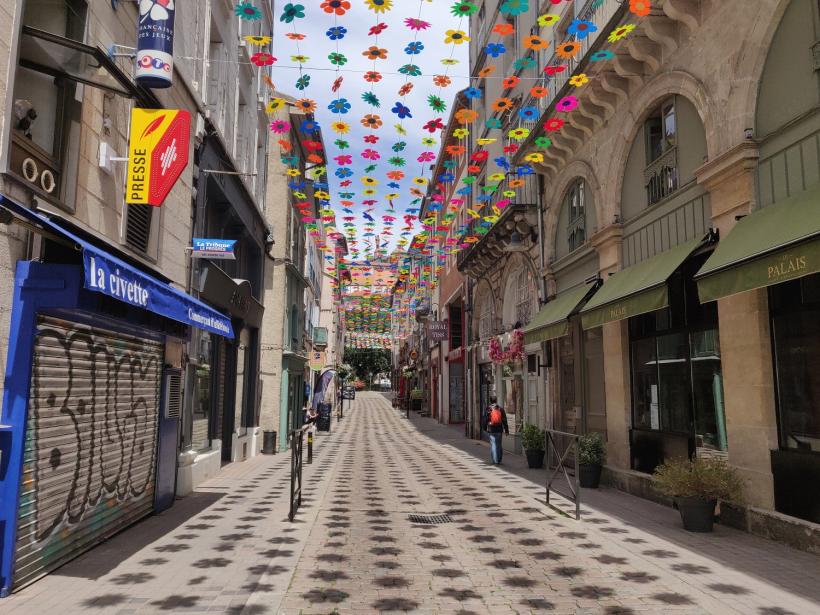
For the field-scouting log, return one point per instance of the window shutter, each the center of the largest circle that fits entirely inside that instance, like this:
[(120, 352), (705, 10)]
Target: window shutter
[(138, 226)]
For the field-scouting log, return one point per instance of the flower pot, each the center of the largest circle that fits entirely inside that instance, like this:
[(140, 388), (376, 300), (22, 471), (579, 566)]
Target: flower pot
[(697, 514), (589, 476), (535, 459)]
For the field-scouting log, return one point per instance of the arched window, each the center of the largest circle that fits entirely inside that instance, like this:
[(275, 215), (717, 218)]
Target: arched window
[(661, 137), (575, 206), (485, 320), (523, 304)]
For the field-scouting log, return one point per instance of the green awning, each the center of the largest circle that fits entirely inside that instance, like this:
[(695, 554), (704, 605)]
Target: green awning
[(775, 244), (638, 289), (551, 322)]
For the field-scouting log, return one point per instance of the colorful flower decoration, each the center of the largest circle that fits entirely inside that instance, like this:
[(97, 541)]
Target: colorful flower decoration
[(259, 41), (428, 141), (336, 33), (402, 111), (579, 80), (300, 59), (473, 93), (434, 125), (337, 59), (436, 103), (533, 157), (411, 70), (528, 114), (275, 104), (372, 76), (340, 128), (536, 43), (554, 124), (542, 142), (581, 29), (377, 29), (455, 37), (371, 99), (397, 161), (487, 71), (495, 49), (466, 116), (343, 173), (568, 49), (620, 33), (372, 121), (247, 11), (503, 29), (375, 52), (603, 54), (416, 24), (280, 126), (379, 6), (493, 122), (309, 126), (514, 7), (399, 146), (522, 63), (295, 36), (372, 139), (369, 181), (414, 48), (291, 12), (461, 133), (555, 69), (549, 19), (442, 81), (305, 104), (337, 84), (336, 7), (567, 104), (640, 7), (262, 59), (538, 91), (340, 105), (420, 181), (426, 157), (405, 89), (519, 134), (510, 82), (371, 154)]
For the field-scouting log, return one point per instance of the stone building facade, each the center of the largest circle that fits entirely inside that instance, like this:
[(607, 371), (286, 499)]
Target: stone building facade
[(676, 232)]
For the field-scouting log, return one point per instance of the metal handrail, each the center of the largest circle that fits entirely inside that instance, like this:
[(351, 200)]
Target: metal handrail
[(296, 444), (551, 446)]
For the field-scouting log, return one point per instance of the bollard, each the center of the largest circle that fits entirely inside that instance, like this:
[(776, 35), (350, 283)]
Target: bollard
[(310, 447)]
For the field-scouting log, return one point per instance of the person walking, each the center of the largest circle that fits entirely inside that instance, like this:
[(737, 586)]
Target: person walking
[(494, 422)]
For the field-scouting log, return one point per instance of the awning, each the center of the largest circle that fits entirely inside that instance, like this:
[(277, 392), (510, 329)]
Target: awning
[(111, 276), (776, 244), (551, 322), (638, 289)]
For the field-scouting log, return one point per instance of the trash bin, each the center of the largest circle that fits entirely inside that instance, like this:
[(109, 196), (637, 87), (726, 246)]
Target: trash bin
[(323, 420)]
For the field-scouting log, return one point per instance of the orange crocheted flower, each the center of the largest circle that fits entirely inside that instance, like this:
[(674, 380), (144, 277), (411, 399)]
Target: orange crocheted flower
[(455, 150), (510, 82), (538, 92), (372, 121), (535, 43), (568, 49), (502, 104), (504, 29), (375, 53), (466, 116), (487, 71), (442, 81)]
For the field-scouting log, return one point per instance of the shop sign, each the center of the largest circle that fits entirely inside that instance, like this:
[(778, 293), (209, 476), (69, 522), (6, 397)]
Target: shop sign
[(155, 43), (439, 330), (157, 154), (317, 360), (215, 249)]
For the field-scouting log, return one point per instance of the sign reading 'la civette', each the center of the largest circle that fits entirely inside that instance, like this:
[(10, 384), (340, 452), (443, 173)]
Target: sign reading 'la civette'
[(157, 154)]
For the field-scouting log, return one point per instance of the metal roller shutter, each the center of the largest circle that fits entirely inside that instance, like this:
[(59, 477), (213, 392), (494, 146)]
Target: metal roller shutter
[(90, 442)]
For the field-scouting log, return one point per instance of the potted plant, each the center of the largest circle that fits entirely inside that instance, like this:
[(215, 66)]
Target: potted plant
[(532, 439), (591, 456), (696, 486)]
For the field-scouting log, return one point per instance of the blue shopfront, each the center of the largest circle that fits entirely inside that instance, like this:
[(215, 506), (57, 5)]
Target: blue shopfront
[(90, 418)]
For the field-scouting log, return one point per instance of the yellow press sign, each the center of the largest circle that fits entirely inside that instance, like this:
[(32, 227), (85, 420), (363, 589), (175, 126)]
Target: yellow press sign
[(157, 153)]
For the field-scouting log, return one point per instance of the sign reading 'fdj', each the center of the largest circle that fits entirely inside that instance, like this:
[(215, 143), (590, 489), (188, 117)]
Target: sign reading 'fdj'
[(158, 153)]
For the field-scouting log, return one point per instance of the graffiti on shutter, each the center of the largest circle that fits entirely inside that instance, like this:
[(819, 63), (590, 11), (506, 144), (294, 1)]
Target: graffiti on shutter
[(91, 436)]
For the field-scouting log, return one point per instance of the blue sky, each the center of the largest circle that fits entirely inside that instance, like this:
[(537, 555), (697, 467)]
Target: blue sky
[(358, 21)]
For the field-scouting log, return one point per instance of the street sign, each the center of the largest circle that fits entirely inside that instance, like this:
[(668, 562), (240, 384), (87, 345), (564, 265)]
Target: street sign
[(317, 361), (215, 249), (439, 330), (155, 43), (157, 153)]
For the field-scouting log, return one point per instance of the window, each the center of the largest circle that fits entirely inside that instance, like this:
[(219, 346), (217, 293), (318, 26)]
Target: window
[(523, 304), (795, 308), (677, 383), (575, 205), (485, 322), (456, 323), (660, 133)]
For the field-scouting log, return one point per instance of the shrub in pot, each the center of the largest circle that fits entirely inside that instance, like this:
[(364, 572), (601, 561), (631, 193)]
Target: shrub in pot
[(591, 456), (532, 439), (696, 486)]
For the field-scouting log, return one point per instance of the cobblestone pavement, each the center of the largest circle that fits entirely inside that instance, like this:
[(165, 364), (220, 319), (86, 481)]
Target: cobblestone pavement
[(354, 548)]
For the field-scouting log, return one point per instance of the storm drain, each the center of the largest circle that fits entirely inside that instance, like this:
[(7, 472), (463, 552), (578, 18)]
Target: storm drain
[(430, 519)]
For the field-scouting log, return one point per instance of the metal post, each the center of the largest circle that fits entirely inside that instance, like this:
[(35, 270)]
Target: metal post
[(310, 447)]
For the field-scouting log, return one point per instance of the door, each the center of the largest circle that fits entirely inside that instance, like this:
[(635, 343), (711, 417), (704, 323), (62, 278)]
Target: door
[(594, 390), (533, 388), (168, 439), (91, 442), (456, 397), (485, 390)]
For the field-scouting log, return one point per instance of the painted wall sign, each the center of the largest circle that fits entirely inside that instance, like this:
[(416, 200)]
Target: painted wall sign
[(317, 360), (157, 154), (215, 249), (155, 43), (439, 330)]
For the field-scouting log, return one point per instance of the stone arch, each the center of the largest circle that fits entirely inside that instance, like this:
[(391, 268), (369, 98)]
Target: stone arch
[(516, 263), (667, 84), (553, 203)]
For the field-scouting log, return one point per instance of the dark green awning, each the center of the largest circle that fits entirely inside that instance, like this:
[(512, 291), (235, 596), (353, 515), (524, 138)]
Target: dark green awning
[(551, 322), (638, 289), (775, 244)]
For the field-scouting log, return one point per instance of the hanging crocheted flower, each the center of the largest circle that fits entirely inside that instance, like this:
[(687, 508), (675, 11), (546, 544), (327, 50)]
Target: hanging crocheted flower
[(337, 59), (340, 105), (399, 146), (411, 70), (280, 126), (371, 99), (247, 11), (463, 9), (514, 7), (262, 59), (436, 103), (291, 12), (337, 7), (336, 33), (379, 6)]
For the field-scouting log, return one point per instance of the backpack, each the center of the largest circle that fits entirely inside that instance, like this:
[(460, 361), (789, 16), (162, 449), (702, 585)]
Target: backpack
[(496, 418)]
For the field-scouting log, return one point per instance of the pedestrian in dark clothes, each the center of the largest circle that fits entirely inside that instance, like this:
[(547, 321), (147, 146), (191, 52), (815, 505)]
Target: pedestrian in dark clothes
[(494, 422)]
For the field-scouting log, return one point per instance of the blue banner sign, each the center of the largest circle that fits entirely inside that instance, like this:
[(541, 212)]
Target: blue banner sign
[(155, 43), (217, 249), (112, 277)]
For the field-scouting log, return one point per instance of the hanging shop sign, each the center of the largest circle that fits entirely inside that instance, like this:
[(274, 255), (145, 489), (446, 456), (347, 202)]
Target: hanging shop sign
[(439, 330), (155, 43), (157, 153), (317, 361), (215, 249)]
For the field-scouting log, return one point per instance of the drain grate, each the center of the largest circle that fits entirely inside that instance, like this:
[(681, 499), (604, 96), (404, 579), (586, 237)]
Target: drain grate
[(430, 519)]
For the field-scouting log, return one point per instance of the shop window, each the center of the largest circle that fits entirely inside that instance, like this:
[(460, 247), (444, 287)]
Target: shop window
[(660, 133), (795, 308), (677, 384), (575, 205)]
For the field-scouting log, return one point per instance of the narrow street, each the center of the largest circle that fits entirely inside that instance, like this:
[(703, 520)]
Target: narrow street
[(354, 549)]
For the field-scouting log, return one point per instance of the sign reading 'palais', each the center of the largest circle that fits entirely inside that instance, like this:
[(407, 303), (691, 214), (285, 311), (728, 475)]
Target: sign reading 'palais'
[(790, 265)]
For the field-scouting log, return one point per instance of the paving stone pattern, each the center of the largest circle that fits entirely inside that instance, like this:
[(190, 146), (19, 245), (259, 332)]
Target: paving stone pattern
[(353, 548)]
